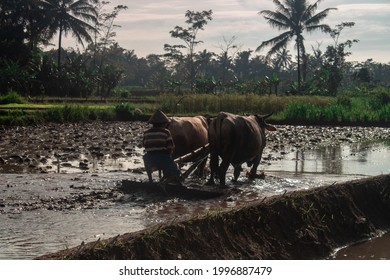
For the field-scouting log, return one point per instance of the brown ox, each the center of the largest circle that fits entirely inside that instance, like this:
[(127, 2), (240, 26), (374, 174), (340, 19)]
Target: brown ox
[(236, 139), (189, 134)]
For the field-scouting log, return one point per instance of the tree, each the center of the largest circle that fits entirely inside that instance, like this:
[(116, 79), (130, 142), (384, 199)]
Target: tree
[(104, 47), (334, 59), (12, 31), (282, 60), (196, 22), (363, 75), (158, 73), (294, 16), (71, 16), (242, 66), (105, 27), (229, 51)]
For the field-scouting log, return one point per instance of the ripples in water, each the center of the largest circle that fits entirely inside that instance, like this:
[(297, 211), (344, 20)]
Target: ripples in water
[(27, 234)]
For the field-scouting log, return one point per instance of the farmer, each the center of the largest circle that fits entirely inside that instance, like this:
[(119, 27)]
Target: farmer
[(158, 146)]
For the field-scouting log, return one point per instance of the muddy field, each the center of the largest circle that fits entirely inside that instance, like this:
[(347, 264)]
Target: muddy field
[(116, 146), (98, 152)]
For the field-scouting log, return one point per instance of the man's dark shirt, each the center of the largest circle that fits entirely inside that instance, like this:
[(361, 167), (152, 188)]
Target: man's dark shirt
[(158, 139)]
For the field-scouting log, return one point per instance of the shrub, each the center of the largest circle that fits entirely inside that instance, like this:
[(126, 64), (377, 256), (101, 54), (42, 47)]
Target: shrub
[(299, 111), (384, 114), (124, 111), (11, 98), (344, 101), (20, 117), (379, 99), (68, 113), (54, 115), (73, 113)]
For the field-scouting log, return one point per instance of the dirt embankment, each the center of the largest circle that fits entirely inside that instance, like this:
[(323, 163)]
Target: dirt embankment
[(298, 225)]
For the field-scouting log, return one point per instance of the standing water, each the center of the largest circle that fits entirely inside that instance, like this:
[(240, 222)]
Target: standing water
[(50, 211)]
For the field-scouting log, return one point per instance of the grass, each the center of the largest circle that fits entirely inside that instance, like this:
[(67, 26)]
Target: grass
[(369, 109), (11, 97), (358, 110), (238, 104)]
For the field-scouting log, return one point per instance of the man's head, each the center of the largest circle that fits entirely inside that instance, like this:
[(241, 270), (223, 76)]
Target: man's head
[(159, 119)]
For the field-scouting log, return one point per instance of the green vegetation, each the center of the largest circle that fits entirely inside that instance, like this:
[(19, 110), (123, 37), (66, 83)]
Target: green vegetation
[(296, 17), (106, 82), (370, 108), (364, 107), (11, 98), (235, 103)]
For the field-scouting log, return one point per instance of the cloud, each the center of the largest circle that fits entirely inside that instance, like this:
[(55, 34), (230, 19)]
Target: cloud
[(146, 25)]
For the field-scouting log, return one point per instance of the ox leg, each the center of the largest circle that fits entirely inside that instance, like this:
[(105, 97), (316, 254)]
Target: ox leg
[(148, 167), (149, 172), (222, 173), (252, 172), (213, 168), (237, 171)]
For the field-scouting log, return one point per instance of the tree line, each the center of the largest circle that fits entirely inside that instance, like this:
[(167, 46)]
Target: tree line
[(103, 68)]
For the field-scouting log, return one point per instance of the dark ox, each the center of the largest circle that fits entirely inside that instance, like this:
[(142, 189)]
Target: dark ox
[(236, 139), (189, 134)]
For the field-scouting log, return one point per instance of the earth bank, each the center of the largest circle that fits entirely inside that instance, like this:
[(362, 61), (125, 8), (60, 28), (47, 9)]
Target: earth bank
[(308, 224)]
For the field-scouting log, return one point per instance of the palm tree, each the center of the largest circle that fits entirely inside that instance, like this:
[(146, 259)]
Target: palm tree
[(71, 16), (294, 16), (282, 59)]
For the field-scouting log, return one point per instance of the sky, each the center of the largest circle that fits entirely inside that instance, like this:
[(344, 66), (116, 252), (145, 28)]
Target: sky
[(145, 26)]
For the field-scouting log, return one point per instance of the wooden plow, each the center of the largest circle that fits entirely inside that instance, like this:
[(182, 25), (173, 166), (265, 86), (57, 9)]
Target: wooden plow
[(166, 188)]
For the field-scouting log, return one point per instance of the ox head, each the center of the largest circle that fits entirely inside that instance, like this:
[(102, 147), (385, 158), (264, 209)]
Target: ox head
[(262, 122)]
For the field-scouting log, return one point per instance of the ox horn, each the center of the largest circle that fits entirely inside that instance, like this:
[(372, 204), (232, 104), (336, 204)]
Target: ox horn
[(267, 116)]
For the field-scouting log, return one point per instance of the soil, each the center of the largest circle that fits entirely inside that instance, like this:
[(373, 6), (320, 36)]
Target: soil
[(298, 225), (57, 147)]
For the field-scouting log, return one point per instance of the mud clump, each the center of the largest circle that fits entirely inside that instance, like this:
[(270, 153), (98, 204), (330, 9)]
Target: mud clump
[(306, 224)]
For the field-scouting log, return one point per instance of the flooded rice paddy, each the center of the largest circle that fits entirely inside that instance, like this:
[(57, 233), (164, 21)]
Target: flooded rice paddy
[(58, 184)]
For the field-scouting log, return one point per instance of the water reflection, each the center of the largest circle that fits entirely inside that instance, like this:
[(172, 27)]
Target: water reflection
[(352, 159), (26, 234), (90, 163)]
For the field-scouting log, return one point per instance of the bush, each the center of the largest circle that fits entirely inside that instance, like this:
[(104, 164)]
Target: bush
[(384, 114), (379, 99), (124, 112), (122, 93), (16, 113), (11, 98), (305, 113), (74, 113), (344, 101), (19, 117), (54, 115), (69, 113), (299, 112)]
